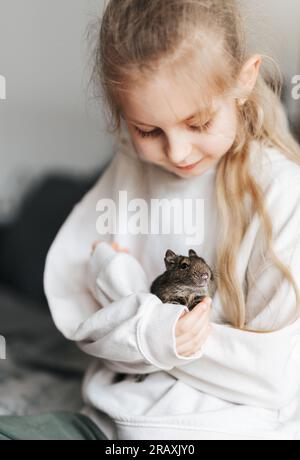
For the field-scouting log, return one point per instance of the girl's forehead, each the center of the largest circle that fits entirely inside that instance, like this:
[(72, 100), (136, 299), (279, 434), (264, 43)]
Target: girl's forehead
[(164, 102), (174, 93)]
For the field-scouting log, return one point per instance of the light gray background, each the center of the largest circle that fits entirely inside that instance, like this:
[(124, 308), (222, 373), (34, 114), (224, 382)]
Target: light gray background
[(48, 120)]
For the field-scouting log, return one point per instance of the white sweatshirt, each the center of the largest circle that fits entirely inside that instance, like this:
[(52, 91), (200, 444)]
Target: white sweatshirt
[(241, 385)]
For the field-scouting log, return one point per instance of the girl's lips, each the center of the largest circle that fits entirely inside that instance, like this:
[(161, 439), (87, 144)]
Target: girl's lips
[(188, 168)]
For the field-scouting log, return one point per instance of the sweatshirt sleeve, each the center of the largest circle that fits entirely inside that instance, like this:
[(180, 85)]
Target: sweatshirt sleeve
[(113, 275), (133, 326), (128, 325), (261, 369)]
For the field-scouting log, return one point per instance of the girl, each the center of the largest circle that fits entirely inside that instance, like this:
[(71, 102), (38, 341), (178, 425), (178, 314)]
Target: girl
[(195, 119)]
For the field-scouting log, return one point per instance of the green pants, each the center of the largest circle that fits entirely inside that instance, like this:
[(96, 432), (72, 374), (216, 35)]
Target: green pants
[(58, 426)]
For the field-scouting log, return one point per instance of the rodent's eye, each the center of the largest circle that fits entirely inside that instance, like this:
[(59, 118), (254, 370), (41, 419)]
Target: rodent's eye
[(184, 266)]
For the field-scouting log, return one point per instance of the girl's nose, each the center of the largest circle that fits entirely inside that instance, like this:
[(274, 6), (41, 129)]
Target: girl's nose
[(178, 151)]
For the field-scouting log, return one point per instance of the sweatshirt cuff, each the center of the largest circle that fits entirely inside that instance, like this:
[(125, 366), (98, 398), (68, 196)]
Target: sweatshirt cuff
[(156, 336), (101, 257)]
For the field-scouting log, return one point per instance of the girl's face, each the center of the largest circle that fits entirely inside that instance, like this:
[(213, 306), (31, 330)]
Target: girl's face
[(166, 129)]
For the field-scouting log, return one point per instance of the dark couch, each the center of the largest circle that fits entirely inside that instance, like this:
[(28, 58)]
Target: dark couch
[(43, 371)]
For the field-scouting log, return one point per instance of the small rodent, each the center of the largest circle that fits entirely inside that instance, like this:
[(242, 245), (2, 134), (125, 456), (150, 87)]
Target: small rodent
[(186, 281)]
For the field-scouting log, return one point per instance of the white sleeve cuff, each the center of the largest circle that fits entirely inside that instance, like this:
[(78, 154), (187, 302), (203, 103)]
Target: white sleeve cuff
[(115, 274), (156, 336), (101, 257)]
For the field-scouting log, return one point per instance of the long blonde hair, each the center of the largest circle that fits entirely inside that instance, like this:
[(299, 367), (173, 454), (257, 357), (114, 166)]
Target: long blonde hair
[(138, 37)]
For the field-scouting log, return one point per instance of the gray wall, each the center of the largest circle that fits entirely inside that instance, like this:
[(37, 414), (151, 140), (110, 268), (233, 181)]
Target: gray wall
[(273, 26), (47, 121)]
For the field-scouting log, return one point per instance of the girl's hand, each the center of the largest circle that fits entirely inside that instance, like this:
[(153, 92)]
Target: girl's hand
[(193, 329), (115, 246)]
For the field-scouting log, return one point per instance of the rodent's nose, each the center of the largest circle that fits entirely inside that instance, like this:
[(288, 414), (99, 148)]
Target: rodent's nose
[(205, 276)]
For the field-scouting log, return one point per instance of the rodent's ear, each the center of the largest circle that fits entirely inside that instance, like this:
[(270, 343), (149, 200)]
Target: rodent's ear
[(170, 259), (192, 253)]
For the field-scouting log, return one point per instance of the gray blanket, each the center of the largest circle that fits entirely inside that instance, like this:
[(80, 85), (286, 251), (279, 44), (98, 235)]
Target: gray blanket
[(43, 371)]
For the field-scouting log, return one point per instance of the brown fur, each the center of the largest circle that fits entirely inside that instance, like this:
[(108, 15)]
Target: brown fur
[(187, 280)]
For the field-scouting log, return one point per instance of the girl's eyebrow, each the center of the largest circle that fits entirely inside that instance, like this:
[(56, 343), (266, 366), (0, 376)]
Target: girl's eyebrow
[(195, 116)]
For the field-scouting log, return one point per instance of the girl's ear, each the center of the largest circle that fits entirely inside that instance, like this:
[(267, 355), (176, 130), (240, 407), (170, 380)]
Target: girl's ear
[(249, 73), (192, 253), (170, 259)]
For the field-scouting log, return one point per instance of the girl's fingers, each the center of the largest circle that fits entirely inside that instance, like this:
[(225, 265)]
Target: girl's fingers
[(194, 332), (94, 246), (193, 327), (118, 248), (187, 323), (114, 245), (196, 345)]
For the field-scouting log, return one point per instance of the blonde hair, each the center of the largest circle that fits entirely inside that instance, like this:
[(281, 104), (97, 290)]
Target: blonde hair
[(140, 37)]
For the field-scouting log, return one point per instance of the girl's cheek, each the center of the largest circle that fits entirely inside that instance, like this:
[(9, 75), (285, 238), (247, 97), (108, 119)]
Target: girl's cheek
[(222, 143), (146, 150), (224, 137), (137, 145), (216, 145)]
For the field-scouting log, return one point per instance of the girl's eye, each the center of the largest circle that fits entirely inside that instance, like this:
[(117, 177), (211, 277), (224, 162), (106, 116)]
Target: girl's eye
[(157, 132), (144, 134), (202, 128)]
